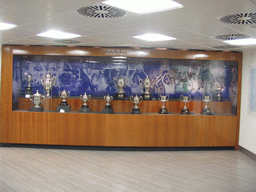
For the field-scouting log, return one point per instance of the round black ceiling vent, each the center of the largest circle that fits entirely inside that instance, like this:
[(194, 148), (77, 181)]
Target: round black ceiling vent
[(240, 19), (225, 47), (67, 41), (232, 36), (101, 11)]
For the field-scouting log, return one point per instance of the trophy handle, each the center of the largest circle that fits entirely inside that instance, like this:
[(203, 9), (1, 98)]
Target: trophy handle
[(104, 97), (42, 100), (153, 81), (81, 97), (181, 97), (159, 97), (140, 81), (115, 81), (126, 82), (89, 97), (59, 93), (31, 99), (131, 98), (210, 97), (189, 98), (167, 97), (53, 81), (141, 98), (42, 80), (68, 94), (111, 98)]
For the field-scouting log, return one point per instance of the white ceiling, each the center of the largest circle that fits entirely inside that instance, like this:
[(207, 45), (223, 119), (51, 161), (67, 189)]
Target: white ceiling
[(195, 26)]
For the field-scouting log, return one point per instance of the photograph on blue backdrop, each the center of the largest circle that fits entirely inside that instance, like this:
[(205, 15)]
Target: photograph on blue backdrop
[(94, 75)]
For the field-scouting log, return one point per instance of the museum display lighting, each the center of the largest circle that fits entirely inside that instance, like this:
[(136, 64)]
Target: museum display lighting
[(248, 41), (154, 37), (144, 6), (6, 26), (58, 34)]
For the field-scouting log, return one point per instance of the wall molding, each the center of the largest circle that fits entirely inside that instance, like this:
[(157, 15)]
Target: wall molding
[(247, 152)]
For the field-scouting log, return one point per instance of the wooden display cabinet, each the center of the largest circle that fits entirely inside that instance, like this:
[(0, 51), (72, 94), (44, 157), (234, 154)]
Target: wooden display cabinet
[(122, 129)]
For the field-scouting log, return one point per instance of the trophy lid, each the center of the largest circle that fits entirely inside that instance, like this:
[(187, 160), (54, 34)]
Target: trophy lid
[(48, 75), (37, 93)]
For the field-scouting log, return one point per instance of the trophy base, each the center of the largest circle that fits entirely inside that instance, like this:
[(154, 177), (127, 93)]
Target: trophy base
[(37, 108), (146, 97), (107, 110), (64, 103), (163, 111), (120, 96), (84, 109), (206, 111), (63, 109), (184, 111), (219, 99), (135, 111)]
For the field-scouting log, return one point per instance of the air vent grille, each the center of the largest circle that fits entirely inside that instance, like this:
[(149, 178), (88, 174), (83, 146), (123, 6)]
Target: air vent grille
[(232, 36), (240, 19), (225, 47), (67, 41), (101, 11)]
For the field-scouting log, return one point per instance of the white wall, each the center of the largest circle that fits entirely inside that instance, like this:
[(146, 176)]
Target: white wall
[(247, 136)]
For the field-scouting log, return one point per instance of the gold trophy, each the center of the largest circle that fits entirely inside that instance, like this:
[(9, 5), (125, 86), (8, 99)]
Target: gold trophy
[(48, 82), (147, 85), (120, 83), (64, 107), (136, 100), (108, 108), (163, 99), (85, 108), (185, 100), (206, 109), (37, 99)]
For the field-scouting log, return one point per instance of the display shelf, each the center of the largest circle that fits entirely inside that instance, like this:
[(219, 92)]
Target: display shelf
[(125, 106)]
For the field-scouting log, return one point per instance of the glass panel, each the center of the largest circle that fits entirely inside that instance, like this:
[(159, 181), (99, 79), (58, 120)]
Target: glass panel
[(196, 83)]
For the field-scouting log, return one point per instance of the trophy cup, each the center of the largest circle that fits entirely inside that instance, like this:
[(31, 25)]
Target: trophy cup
[(48, 82), (206, 109), (185, 100), (108, 108), (163, 99), (120, 83), (136, 100), (147, 85), (37, 99), (64, 107), (85, 108), (28, 91)]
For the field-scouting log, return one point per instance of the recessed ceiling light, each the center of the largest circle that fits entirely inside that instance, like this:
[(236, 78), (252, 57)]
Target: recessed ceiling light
[(249, 41), (154, 37), (6, 26), (58, 34), (144, 6)]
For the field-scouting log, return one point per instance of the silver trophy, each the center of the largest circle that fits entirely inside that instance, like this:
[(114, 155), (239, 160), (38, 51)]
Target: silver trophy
[(37, 99), (48, 82), (136, 100), (64, 107), (85, 108), (163, 99), (108, 108), (219, 90), (147, 85), (120, 83), (206, 109), (185, 100), (28, 91)]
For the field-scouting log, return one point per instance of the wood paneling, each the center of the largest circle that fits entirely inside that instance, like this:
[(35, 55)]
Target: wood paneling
[(96, 129)]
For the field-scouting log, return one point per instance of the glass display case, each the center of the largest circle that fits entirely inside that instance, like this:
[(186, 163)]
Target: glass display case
[(46, 83)]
